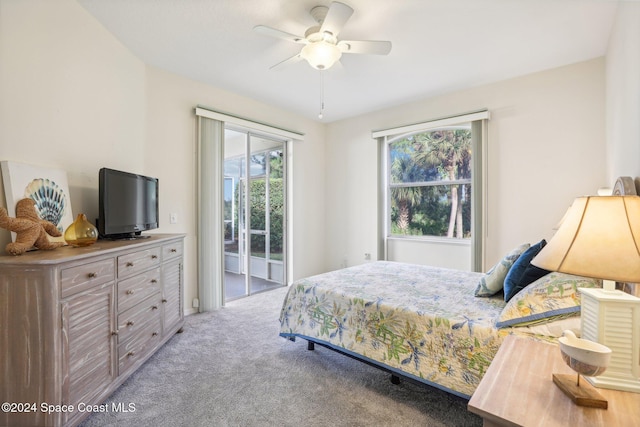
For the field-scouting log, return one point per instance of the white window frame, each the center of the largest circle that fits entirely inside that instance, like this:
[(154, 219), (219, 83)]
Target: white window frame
[(478, 120)]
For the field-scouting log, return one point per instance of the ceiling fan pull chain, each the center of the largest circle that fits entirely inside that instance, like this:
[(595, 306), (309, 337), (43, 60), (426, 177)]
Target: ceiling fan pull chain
[(321, 95)]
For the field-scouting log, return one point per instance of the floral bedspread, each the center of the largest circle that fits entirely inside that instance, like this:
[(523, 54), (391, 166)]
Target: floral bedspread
[(420, 321)]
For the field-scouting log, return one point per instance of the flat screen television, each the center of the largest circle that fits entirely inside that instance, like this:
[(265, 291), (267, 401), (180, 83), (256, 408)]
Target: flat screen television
[(128, 204)]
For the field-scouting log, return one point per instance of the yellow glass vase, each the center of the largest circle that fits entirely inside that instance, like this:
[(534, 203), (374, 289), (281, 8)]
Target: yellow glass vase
[(81, 232)]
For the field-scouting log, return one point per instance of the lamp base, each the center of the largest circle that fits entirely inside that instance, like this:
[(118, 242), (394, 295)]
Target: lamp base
[(582, 394), (612, 318), (615, 383)]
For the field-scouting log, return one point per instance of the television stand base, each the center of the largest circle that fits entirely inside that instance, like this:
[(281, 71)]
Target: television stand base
[(125, 237)]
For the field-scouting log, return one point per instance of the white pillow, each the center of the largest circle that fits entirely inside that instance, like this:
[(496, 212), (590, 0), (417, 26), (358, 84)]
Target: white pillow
[(492, 282)]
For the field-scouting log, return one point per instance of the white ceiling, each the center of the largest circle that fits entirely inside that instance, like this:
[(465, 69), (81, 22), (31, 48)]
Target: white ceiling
[(438, 45)]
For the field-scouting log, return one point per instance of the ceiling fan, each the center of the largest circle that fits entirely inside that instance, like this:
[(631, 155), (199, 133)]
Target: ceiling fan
[(321, 47)]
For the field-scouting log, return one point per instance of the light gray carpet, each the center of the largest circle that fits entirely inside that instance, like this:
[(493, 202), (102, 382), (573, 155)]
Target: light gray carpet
[(230, 368)]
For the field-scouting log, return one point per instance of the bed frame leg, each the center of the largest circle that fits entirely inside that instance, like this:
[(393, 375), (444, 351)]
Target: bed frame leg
[(311, 345), (395, 379)]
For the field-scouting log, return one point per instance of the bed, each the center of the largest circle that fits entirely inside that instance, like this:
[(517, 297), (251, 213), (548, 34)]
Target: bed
[(437, 326)]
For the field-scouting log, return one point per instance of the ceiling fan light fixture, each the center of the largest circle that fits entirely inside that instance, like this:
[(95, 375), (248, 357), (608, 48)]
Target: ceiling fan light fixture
[(321, 55)]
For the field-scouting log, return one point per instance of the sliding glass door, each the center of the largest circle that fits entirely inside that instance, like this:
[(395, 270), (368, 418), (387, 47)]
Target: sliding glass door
[(254, 213)]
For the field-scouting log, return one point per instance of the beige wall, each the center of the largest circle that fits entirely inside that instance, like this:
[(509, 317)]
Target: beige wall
[(73, 98), (546, 147), (623, 94)]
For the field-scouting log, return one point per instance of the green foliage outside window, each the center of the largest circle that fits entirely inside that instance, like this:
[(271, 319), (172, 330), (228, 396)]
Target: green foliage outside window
[(276, 214), (258, 202), (430, 184)]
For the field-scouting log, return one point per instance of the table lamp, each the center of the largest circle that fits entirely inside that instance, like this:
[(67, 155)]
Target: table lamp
[(600, 237)]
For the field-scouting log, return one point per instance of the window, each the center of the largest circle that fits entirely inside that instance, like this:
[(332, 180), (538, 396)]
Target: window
[(433, 190), (429, 179)]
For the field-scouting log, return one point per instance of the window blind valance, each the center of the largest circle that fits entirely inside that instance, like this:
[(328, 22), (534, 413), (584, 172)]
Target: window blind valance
[(448, 121), (251, 124)]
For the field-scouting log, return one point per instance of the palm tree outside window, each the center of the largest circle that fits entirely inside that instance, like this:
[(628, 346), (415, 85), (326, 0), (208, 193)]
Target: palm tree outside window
[(430, 183)]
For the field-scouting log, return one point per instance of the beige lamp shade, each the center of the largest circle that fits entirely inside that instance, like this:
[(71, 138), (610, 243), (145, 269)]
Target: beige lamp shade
[(599, 237)]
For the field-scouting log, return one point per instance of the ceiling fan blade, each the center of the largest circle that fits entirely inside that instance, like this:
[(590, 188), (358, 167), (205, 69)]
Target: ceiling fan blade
[(371, 47), (272, 32), (295, 58), (337, 16)]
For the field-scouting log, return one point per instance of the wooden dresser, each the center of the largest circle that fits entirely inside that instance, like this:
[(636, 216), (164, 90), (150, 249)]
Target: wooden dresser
[(76, 322)]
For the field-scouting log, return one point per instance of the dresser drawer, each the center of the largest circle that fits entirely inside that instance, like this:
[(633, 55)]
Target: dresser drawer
[(137, 288), (137, 262), (76, 279), (172, 250), (138, 347), (137, 317)]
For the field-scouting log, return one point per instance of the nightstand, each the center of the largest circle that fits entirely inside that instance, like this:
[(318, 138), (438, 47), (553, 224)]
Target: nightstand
[(518, 390)]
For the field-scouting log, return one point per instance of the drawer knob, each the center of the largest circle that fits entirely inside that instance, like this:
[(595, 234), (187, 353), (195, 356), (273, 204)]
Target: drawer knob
[(130, 292), (154, 256), (154, 281), (92, 275), (129, 264), (155, 334), (155, 307), (130, 323), (174, 250), (131, 354), (164, 300)]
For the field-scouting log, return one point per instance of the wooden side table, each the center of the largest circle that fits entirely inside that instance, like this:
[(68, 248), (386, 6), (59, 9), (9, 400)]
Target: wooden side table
[(518, 390)]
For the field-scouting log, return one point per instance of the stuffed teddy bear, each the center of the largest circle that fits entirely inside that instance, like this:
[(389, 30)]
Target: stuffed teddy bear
[(29, 228)]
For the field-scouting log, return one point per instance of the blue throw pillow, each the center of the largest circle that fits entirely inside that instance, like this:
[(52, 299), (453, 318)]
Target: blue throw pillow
[(531, 274), (512, 283)]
